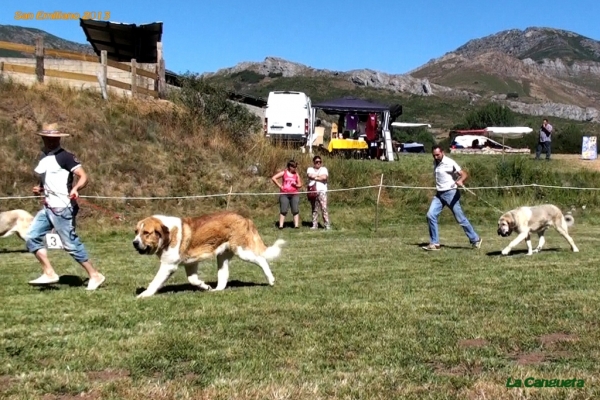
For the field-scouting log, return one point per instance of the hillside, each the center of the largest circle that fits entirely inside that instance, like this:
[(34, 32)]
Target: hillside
[(538, 64), (19, 34), (536, 72), (542, 71)]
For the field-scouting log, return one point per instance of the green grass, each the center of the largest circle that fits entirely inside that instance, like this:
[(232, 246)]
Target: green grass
[(354, 313)]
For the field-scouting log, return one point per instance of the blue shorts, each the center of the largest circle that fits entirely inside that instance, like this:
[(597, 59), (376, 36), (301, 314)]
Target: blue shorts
[(62, 220)]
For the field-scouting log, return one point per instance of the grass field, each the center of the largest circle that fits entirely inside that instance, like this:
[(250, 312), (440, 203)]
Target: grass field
[(354, 313)]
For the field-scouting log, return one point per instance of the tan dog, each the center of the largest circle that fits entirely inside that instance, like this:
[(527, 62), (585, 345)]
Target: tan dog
[(537, 219), (15, 221), (188, 241)]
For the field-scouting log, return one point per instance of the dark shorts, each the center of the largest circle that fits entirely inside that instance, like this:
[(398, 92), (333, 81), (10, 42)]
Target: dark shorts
[(287, 200)]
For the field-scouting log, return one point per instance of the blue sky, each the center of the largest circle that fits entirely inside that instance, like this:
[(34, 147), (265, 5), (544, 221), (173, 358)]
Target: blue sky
[(392, 36)]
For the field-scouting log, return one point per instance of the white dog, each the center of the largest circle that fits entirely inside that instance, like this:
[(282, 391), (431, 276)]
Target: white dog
[(15, 222), (537, 219)]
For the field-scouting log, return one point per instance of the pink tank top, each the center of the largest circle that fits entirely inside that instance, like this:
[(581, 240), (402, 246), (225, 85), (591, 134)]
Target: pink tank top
[(288, 179)]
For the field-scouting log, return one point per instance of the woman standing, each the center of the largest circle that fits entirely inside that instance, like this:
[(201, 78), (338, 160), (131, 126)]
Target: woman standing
[(318, 176), (290, 183)]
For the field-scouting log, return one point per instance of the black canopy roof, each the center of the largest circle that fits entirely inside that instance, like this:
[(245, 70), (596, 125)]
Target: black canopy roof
[(349, 104), (123, 42)]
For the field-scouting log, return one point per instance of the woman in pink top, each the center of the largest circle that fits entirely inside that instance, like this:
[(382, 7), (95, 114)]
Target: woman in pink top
[(290, 183)]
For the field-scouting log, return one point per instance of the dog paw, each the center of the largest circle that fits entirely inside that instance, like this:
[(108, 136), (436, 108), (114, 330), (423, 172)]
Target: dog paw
[(505, 252), (575, 250), (144, 294)]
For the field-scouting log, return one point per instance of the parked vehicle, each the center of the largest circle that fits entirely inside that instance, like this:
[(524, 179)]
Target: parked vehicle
[(289, 117)]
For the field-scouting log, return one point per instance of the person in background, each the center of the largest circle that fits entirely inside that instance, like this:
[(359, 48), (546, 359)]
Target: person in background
[(318, 176), (545, 140), (289, 197), (445, 171), (371, 132)]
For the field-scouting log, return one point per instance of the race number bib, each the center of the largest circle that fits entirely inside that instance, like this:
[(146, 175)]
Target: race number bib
[(53, 241)]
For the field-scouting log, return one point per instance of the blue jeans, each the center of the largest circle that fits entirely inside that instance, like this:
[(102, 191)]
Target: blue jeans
[(543, 146), (63, 221), (451, 199)]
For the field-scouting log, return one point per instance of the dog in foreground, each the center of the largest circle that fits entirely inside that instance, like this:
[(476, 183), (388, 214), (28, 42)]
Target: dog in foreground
[(15, 222), (187, 241), (537, 219)]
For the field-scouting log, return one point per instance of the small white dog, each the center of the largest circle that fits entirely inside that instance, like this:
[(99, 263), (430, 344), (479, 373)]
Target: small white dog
[(15, 221)]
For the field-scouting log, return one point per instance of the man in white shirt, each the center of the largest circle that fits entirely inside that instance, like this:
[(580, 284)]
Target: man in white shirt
[(445, 171)]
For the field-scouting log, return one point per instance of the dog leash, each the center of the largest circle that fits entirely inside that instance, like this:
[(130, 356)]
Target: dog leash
[(482, 200), (84, 201)]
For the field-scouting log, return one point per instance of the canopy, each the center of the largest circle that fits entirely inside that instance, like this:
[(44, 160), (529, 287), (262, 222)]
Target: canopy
[(123, 42), (513, 132), (466, 141), (349, 104), (409, 124)]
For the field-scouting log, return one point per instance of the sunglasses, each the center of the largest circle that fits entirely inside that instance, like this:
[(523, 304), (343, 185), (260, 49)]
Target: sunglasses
[(318, 162)]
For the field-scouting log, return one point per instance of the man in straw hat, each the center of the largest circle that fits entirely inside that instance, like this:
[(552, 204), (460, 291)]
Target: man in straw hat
[(56, 169)]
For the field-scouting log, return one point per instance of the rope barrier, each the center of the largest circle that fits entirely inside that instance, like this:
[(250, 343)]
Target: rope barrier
[(204, 196)]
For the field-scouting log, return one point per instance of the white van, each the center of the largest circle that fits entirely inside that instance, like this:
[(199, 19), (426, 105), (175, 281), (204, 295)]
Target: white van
[(289, 116)]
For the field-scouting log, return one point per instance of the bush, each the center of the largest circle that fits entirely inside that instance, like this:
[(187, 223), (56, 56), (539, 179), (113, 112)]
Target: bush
[(210, 106), (248, 76), (492, 114)]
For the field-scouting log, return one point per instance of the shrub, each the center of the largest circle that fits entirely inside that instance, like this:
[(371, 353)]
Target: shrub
[(248, 76), (489, 115), (209, 105)]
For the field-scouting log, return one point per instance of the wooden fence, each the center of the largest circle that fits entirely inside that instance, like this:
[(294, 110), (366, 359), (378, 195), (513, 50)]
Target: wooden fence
[(102, 78)]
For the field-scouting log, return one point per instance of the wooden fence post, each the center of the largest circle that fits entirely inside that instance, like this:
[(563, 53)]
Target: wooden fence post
[(377, 209), (160, 83), (104, 73), (39, 59), (133, 78)]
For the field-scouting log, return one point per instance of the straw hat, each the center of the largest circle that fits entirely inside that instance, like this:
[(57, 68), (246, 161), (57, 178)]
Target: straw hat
[(51, 130)]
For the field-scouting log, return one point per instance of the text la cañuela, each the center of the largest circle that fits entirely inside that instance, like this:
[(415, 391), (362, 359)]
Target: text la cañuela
[(533, 382)]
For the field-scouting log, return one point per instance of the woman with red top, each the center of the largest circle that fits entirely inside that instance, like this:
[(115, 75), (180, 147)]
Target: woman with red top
[(290, 183)]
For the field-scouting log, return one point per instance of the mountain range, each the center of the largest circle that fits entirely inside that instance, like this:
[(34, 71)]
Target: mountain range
[(537, 71)]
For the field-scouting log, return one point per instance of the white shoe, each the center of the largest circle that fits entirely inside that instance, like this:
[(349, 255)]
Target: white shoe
[(44, 280), (95, 284)]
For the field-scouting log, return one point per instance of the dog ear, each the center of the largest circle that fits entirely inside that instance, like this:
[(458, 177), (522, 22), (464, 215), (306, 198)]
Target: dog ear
[(165, 235), (511, 220)]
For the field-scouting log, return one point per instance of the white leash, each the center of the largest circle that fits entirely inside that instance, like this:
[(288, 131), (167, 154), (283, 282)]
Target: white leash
[(480, 199)]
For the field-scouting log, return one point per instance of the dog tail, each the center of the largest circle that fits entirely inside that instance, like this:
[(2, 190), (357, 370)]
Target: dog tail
[(569, 218), (273, 251)]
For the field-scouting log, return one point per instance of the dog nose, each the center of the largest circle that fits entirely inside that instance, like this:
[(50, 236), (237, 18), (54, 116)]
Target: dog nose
[(135, 243)]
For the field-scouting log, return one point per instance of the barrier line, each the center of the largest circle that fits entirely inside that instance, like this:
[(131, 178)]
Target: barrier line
[(124, 198)]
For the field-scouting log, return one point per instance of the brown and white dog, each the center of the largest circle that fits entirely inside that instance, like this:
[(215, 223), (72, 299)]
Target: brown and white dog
[(15, 222), (187, 241)]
